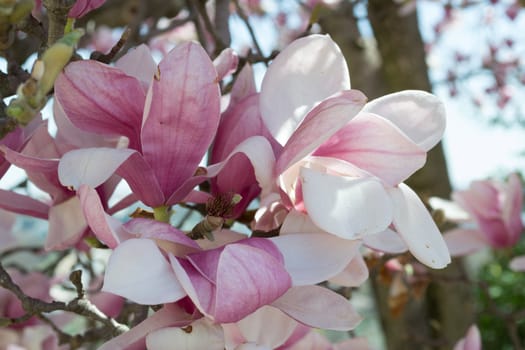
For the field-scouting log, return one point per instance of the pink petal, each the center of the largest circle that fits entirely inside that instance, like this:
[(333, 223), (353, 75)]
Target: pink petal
[(296, 222), (267, 326), (21, 204), (181, 115), (226, 63), (518, 263), (244, 85), (138, 63), (147, 228), (66, 225), (376, 145), (347, 207), (311, 258), (82, 7), (415, 225), (259, 151), (420, 115), (102, 99), (386, 241), (306, 72), (138, 271), (472, 340), (70, 137), (319, 124), (103, 226), (91, 166), (464, 241), (354, 274), (247, 278), (318, 307), (203, 335), (134, 339)]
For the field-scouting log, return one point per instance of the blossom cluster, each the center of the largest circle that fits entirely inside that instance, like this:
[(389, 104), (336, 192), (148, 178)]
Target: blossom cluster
[(323, 166)]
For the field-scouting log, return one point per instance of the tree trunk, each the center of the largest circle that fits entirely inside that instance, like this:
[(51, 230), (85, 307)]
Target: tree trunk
[(396, 61)]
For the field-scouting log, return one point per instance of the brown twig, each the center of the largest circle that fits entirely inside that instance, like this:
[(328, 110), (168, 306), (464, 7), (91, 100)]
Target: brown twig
[(246, 21)]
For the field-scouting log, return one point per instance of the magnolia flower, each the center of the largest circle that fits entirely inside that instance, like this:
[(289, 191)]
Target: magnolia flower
[(495, 208), (169, 113), (343, 162)]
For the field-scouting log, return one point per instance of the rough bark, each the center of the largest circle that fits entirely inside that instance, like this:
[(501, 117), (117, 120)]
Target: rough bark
[(394, 62)]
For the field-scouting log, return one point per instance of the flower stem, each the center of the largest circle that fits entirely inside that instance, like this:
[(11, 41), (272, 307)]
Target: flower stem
[(161, 213)]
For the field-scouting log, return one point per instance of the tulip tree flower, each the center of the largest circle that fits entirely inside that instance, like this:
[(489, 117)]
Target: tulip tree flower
[(472, 340)]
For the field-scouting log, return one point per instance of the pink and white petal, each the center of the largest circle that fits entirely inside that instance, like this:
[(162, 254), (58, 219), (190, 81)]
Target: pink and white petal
[(354, 274), (222, 237), (90, 166), (472, 340), (106, 228), (267, 326), (203, 335), (464, 241), (70, 137), (141, 179), (247, 278), (518, 263), (318, 307), (137, 270), (298, 222), (181, 115), (244, 85), (347, 207), (139, 64), (66, 224), (320, 123), (415, 225), (134, 339), (238, 123), (91, 94), (376, 145), (311, 258), (226, 63), (261, 156), (387, 241), (420, 115), (20, 204), (299, 78), (198, 289), (153, 229)]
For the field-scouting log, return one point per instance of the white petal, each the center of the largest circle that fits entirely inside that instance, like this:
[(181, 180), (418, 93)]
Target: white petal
[(267, 327), (311, 258), (415, 225), (348, 207), (137, 270), (420, 115), (318, 307), (464, 241), (203, 335), (387, 241), (306, 72), (354, 275), (90, 166)]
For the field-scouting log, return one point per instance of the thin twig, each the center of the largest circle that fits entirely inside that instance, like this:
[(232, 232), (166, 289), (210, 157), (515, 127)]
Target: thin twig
[(246, 21)]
